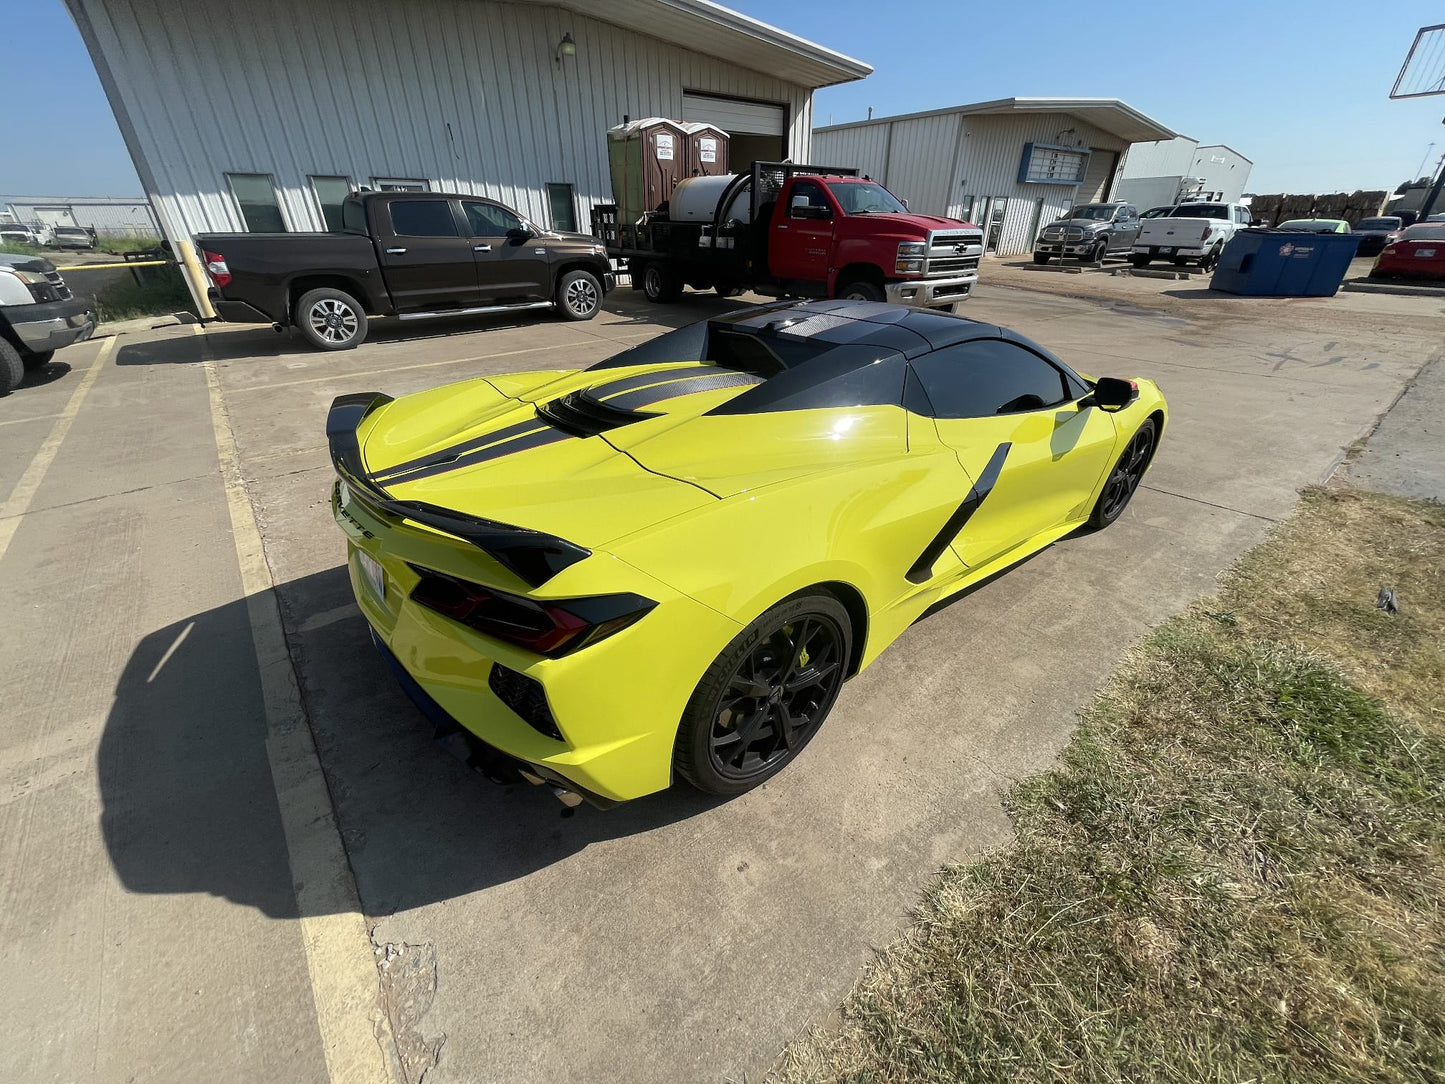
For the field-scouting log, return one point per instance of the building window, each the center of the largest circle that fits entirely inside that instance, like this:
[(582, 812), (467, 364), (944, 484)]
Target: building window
[(1043, 164), (400, 184), (331, 193), (256, 196), (423, 218), (563, 207)]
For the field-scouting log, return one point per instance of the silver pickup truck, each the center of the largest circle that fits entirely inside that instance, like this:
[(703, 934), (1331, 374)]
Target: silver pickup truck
[(1190, 233)]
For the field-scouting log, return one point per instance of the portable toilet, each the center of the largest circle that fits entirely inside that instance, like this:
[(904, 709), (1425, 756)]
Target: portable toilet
[(707, 150), (648, 157)]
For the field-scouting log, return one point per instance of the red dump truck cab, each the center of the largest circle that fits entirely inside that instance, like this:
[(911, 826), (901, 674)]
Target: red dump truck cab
[(855, 239), (790, 230)]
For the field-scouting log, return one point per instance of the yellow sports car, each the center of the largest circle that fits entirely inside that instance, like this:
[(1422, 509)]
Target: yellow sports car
[(668, 564)]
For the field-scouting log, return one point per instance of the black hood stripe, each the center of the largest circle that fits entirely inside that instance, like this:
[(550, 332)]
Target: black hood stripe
[(446, 455), (662, 376), (540, 438), (922, 570), (692, 385)]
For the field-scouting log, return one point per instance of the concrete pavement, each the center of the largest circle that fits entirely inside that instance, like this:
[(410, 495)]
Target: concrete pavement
[(146, 871)]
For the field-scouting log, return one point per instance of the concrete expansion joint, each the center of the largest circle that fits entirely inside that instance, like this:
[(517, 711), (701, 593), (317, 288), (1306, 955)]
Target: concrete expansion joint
[(1209, 504)]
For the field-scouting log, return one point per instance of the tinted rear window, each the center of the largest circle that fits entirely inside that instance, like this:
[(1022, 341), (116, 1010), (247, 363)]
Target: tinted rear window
[(1378, 224), (1432, 232), (1200, 210)]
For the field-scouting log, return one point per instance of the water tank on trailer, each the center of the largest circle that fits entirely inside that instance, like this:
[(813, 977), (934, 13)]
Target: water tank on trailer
[(695, 199)]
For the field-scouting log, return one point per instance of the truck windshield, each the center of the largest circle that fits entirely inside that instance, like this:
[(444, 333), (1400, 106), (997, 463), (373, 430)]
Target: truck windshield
[(1101, 211), (865, 197), (1200, 210)]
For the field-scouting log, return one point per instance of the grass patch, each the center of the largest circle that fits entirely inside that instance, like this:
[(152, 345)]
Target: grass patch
[(1236, 870), (120, 243), (16, 248), (160, 291)]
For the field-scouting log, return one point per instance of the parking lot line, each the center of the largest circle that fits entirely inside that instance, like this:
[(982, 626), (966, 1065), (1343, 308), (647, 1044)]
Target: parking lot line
[(355, 1034), (421, 365), (19, 500)]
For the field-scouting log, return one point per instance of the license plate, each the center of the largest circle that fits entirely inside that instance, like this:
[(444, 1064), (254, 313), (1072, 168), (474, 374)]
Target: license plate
[(372, 573), (1427, 252), (1169, 251)]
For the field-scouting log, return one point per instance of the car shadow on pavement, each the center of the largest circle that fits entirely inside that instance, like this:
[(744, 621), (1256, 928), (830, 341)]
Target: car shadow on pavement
[(188, 802), (48, 373)]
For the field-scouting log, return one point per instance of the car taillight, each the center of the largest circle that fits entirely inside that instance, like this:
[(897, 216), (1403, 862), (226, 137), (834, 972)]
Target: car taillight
[(1208, 233), (1388, 250), (552, 628), (217, 269)]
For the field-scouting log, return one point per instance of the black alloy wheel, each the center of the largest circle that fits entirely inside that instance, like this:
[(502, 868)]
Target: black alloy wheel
[(1101, 248), (765, 696), (1125, 477)]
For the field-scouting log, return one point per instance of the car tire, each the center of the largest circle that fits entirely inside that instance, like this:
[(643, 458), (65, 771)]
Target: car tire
[(861, 290), (33, 359), (661, 284), (1124, 479), (719, 754), (12, 369), (1141, 259), (1042, 257), (330, 319), (1100, 250), (579, 295), (1211, 258)]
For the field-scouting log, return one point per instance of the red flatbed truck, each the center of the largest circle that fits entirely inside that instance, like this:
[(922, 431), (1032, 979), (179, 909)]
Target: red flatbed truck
[(794, 230)]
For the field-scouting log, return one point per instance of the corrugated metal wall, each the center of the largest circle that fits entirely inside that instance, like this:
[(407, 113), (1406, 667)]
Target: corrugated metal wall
[(942, 169), (1221, 170), (1161, 158), (463, 93), (124, 218)]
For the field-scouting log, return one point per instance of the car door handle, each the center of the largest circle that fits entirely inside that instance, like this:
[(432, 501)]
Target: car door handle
[(481, 248), (395, 251)]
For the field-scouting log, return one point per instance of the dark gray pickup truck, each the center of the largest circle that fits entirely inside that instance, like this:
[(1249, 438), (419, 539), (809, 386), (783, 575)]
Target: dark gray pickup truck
[(405, 254)]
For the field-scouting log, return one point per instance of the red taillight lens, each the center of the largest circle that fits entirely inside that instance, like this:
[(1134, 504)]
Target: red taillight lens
[(1388, 250), (552, 628), (217, 269)]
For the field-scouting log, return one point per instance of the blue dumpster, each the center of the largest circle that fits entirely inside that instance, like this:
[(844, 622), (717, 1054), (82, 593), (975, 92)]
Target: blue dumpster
[(1284, 263)]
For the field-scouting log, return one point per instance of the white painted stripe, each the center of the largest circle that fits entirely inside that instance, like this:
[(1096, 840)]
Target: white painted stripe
[(355, 1033), (19, 500)]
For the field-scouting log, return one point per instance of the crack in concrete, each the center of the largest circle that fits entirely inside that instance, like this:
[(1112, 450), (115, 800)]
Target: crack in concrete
[(1210, 504), (408, 987)]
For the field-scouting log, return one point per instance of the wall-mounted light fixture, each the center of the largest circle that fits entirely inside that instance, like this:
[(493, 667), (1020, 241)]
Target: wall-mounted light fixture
[(565, 47)]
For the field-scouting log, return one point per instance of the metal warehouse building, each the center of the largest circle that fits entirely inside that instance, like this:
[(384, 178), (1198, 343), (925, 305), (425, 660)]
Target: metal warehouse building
[(118, 216), (1158, 174), (1006, 165), (263, 116)]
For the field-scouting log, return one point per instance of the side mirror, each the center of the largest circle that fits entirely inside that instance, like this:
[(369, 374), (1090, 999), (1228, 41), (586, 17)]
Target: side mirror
[(519, 235), (799, 207), (905, 203), (1256, 222), (1111, 394)]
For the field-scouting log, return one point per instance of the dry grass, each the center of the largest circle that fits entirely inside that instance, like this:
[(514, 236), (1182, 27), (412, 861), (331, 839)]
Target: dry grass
[(1235, 873)]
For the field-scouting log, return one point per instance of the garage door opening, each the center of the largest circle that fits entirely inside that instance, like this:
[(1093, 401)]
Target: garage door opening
[(758, 131)]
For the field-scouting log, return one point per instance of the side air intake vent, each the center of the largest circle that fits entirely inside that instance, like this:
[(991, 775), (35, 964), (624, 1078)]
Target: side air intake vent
[(580, 414)]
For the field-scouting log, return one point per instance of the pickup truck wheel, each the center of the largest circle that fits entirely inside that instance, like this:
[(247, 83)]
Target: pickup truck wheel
[(36, 359), (1211, 258), (579, 295), (1041, 257), (661, 284), (1140, 259), (861, 290), (1097, 255), (330, 319), (12, 369)]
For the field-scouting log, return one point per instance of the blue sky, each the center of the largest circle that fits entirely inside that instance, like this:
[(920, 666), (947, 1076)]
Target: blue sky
[(1299, 86)]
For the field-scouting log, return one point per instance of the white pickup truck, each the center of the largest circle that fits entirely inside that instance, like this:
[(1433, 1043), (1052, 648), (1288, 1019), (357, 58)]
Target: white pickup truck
[(1190, 232)]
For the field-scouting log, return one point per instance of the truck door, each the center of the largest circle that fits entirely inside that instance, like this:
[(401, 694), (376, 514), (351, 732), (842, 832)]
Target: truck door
[(1126, 229), (801, 241), (425, 260), (1012, 417), (511, 261)]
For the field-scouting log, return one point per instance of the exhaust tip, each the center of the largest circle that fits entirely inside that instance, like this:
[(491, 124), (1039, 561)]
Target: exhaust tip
[(570, 798)]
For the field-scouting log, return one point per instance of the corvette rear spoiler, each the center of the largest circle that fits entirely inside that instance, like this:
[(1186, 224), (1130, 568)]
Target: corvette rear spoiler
[(534, 556)]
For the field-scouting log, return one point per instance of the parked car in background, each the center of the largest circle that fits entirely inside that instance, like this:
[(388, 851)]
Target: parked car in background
[(1418, 253), (72, 237), (404, 254), (1089, 232), (18, 234), (1190, 233), (1376, 233), (1315, 225), (38, 316)]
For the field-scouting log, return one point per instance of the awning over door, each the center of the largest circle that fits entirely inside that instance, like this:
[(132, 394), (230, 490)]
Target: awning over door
[(735, 117)]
